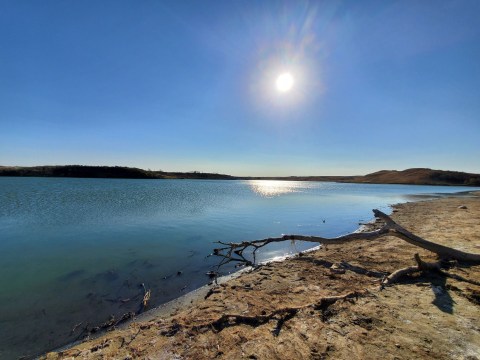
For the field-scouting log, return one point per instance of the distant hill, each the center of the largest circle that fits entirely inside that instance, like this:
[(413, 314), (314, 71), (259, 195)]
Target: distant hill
[(420, 176)]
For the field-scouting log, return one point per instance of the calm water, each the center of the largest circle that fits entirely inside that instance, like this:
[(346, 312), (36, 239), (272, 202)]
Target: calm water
[(72, 249)]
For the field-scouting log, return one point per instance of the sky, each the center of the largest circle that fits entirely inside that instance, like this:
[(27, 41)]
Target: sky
[(191, 85)]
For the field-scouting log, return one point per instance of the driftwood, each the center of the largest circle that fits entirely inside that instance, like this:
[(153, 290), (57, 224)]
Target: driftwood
[(236, 252), (423, 266)]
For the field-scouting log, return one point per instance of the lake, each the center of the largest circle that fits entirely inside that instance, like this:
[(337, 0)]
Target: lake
[(75, 251)]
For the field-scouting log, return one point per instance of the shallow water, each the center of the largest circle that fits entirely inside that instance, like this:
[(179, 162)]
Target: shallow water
[(73, 251)]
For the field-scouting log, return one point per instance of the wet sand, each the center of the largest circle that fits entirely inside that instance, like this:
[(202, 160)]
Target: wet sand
[(423, 316)]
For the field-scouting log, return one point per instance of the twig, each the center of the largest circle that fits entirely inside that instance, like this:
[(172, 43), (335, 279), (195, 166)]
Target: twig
[(133, 337), (75, 327), (146, 296)]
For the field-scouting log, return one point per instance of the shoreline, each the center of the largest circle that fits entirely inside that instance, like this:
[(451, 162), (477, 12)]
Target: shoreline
[(186, 300), (166, 309), (195, 298)]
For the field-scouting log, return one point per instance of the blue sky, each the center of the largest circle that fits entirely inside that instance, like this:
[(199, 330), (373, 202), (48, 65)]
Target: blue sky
[(190, 85)]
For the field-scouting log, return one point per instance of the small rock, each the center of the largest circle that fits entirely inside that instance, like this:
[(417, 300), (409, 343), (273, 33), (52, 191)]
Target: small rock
[(462, 207), (337, 269), (397, 345), (52, 355)]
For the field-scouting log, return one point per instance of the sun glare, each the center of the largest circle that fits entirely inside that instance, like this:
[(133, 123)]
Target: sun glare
[(284, 82), (271, 188)]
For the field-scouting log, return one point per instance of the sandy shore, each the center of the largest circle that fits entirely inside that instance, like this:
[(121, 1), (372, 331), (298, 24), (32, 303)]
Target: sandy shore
[(424, 316)]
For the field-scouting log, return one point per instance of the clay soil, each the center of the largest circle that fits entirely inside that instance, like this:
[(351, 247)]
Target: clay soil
[(425, 316)]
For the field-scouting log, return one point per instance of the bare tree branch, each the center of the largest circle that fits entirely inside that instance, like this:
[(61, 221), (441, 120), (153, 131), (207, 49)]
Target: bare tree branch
[(235, 252)]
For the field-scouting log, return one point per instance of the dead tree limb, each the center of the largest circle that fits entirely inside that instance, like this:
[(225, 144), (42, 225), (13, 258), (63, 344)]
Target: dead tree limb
[(236, 252), (443, 251), (423, 266)]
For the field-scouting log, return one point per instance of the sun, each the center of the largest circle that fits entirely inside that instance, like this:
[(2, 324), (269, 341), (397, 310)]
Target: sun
[(284, 82)]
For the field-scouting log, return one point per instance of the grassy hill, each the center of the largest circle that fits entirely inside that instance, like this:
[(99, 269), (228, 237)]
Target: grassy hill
[(416, 176), (420, 176)]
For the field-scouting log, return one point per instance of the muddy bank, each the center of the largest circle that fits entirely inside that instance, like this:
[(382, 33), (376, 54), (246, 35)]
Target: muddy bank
[(423, 316)]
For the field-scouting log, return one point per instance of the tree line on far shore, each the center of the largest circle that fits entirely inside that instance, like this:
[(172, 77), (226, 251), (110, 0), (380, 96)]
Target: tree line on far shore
[(416, 176)]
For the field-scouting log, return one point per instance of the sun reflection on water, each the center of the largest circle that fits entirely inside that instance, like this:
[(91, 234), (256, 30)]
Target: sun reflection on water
[(271, 188)]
